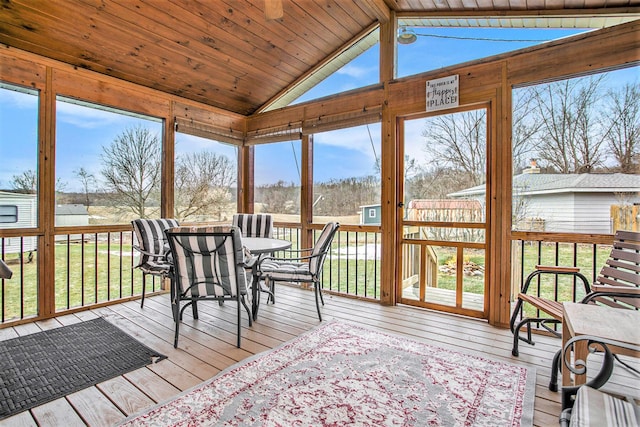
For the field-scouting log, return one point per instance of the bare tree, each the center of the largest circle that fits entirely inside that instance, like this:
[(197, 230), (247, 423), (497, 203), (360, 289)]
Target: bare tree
[(132, 169), (435, 184), (345, 196), (458, 142), (524, 126), (203, 183), (568, 138), (88, 181), (622, 120), (280, 197), (27, 182)]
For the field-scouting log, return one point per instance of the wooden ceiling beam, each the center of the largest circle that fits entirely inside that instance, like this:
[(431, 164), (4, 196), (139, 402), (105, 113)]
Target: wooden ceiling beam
[(379, 9)]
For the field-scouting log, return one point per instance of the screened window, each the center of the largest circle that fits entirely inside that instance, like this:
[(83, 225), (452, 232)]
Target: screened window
[(576, 154), (19, 154), (277, 180), (356, 67), (205, 179), (346, 173), (108, 161), (438, 43)]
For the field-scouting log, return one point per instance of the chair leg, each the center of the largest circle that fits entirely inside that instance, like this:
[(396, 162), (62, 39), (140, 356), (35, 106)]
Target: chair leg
[(316, 286), (144, 287), (272, 292), (246, 307), (239, 320), (516, 334), (556, 366), (194, 308), (320, 292), (175, 304)]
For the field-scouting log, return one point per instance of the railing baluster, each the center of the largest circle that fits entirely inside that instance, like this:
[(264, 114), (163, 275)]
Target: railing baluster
[(21, 277), (68, 271), (4, 290), (95, 268), (120, 265)]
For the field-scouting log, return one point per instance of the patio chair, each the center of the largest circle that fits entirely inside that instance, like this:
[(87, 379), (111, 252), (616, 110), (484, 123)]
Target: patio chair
[(303, 269), (254, 225), (208, 264), (586, 405), (617, 285), (5, 271), (153, 248)]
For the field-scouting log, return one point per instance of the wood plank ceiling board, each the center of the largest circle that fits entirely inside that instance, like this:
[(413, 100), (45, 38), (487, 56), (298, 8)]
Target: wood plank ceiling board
[(225, 53)]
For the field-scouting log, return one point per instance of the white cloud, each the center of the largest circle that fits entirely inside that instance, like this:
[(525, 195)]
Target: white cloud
[(85, 117), (19, 100), (356, 139), (355, 71)]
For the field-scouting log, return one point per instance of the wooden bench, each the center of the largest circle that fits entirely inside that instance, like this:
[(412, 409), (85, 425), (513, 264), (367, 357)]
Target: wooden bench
[(617, 285)]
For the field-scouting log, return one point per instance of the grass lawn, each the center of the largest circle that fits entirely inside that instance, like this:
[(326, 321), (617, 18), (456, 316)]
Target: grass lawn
[(89, 273)]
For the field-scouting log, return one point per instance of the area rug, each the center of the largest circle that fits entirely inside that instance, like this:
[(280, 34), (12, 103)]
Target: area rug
[(41, 367), (344, 375)]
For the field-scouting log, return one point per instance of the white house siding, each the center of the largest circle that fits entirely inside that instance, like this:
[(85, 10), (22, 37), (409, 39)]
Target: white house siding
[(27, 218), (575, 212), (593, 211), (557, 211)]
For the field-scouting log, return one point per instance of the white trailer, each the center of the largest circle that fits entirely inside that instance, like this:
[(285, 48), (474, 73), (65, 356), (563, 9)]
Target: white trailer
[(18, 210)]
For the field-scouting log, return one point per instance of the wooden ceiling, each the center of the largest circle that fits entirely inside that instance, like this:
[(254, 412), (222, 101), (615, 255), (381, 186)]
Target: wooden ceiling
[(224, 53)]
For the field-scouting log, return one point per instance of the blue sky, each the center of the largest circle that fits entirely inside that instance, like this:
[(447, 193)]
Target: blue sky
[(81, 132)]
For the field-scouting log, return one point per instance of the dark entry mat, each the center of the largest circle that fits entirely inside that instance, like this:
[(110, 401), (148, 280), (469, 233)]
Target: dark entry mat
[(41, 367)]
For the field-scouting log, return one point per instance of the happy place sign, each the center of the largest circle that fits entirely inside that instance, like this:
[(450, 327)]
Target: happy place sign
[(442, 93)]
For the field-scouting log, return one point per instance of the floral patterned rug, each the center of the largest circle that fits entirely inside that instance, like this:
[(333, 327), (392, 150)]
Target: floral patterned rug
[(340, 374)]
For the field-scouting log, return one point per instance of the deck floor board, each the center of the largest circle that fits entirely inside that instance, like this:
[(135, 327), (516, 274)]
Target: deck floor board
[(207, 346)]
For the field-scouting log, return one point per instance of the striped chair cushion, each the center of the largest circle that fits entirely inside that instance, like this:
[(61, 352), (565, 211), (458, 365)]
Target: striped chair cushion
[(151, 238), (595, 408), (209, 264), (254, 225), (284, 271), (155, 267), (321, 246)]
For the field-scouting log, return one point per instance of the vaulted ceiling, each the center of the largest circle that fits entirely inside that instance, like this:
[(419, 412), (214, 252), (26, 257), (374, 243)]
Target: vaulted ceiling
[(226, 53)]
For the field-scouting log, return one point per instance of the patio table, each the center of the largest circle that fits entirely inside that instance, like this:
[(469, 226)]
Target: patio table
[(589, 319), (261, 246)]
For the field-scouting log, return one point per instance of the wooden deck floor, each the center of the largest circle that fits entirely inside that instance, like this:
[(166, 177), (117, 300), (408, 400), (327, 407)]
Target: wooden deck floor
[(207, 346)]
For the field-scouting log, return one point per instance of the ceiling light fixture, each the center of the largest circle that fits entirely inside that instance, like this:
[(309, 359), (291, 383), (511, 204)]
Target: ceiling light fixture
[(406, 36)]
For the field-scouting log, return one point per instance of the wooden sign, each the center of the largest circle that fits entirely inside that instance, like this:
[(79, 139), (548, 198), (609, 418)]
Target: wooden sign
[(442, 93)]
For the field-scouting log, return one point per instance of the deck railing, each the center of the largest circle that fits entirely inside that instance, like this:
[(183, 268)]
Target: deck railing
[(353, 264), (95, 265)]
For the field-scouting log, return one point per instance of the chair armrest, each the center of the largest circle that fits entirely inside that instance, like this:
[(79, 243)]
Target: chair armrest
[(151, 254), (604, 289), (557, 269), (294, 259), (296, 250)]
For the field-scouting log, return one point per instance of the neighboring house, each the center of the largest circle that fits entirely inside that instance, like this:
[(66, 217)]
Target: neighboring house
[(71, 215), (580, 203), (18, 210), (370, 214)]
